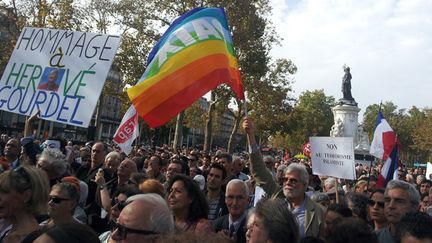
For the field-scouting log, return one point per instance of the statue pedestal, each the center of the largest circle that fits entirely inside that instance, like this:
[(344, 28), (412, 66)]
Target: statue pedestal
[(346, 125), (348, 114)]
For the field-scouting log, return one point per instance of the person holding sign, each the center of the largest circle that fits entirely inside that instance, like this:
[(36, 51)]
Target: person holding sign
[(309, 214), (51, 83)]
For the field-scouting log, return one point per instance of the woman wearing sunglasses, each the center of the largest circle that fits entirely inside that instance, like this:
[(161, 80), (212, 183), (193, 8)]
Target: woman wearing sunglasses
[(63, 199), (376, 209), (23, 195)]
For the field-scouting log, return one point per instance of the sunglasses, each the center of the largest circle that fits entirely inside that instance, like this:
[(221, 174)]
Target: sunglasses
[(289, 180), (123, 230), (58, 200), (120, 204), (373, 203)]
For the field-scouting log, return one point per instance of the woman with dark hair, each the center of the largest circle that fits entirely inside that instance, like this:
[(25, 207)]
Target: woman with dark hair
[(335, 213), (376, 209), (352, 230), (272, 222), (358, 203), (188, 205)]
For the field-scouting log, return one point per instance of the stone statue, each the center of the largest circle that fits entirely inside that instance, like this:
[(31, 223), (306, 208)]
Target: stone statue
[(346, 84), (346, 88), (362, 139), (337, 130)]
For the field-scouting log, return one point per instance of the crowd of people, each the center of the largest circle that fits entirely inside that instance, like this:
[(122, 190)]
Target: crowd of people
[(57, 191)]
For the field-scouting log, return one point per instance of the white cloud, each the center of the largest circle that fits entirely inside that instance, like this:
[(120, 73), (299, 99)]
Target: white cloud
[(386, 43)]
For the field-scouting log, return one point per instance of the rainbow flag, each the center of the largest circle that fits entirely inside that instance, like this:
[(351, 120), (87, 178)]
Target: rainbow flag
[(194, 56)]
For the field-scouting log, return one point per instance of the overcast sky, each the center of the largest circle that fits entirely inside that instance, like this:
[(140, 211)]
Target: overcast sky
[(386, 43)]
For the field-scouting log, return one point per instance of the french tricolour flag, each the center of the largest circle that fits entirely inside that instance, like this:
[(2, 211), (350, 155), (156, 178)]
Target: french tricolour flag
[(384, 146)]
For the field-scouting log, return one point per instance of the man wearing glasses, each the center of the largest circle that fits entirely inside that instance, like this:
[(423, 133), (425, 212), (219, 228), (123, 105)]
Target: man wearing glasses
[(309, 214), (400, 198), (145, 219)]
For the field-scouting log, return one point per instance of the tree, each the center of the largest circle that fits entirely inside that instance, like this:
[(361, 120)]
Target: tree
[(422, 136), (406, 124), (311, 116), (371, 113), (270, 100)]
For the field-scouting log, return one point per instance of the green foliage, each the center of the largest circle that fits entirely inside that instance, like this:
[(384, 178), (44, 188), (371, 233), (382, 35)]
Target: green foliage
[(411, 127), (311, 116), (195, 116)]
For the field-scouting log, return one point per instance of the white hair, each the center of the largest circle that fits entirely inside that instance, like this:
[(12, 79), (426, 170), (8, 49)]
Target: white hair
[(238, 182), (160, 218), (56, 160)]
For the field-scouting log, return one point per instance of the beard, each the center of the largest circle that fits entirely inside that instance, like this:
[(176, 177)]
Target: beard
[(292, 194)]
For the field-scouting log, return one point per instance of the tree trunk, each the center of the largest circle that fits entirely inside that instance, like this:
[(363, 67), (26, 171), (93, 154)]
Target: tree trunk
[(235, 128), (178, 131), (98, 116), (208, 128)]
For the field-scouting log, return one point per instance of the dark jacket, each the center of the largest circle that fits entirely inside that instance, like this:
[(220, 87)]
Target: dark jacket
[(222, 223)]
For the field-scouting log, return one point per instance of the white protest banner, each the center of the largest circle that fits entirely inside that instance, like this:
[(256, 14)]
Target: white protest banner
[(61, 73), (429, 171), (333, 156)]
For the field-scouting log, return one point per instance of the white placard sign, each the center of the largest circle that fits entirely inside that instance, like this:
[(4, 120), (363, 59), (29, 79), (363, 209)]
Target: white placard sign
[(333, 156), (61, 73), (429, 170)]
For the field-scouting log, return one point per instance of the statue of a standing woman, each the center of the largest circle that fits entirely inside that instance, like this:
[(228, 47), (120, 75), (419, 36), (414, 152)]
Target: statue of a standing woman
[(346, 84)]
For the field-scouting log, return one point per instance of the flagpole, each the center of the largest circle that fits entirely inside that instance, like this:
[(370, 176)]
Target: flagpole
[(337, 190), (245, 105), (245, 108), (370, 171)]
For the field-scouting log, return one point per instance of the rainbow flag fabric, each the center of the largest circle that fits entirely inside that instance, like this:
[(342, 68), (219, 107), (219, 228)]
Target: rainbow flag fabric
[(194, 56)]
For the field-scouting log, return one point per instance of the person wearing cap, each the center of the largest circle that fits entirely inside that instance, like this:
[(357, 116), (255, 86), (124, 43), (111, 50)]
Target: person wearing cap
[(201, 181)]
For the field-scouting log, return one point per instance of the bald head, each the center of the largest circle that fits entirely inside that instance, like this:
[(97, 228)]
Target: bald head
[(148, 212), (126, 168)]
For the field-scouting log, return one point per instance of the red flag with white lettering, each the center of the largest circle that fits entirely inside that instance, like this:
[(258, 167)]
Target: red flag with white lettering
[(128, 130)]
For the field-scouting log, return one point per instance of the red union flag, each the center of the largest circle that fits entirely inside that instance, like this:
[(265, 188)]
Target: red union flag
[(307, 149), (128, 130)]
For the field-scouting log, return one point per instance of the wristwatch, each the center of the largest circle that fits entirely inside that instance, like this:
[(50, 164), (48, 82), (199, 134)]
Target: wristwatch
[(101, 187)]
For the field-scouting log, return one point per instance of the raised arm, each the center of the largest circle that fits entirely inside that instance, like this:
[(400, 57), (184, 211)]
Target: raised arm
[(262, 175)]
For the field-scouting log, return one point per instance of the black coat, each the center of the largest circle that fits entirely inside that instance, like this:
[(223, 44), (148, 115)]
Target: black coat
[(222, 223)]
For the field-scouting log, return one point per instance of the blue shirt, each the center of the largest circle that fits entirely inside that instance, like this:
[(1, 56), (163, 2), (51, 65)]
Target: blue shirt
[(300, 213)]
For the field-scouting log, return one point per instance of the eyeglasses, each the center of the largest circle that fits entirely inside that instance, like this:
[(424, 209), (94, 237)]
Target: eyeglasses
[(373, 203), (120, 204), (58, 200), (123, 231), (290, 181)]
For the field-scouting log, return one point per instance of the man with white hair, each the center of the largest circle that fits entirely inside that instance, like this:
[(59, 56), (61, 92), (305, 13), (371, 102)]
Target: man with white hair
[(231, 226), (309, 214), (145, 219)]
